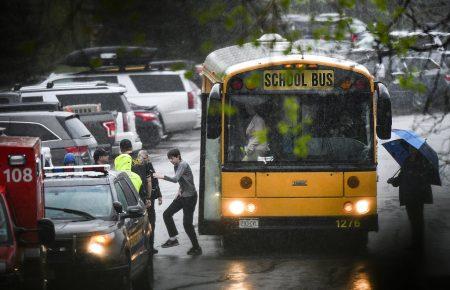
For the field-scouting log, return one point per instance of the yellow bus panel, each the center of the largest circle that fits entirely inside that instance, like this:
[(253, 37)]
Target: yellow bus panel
[(296, 207), (299, 184), (366, 183), (238, 184)]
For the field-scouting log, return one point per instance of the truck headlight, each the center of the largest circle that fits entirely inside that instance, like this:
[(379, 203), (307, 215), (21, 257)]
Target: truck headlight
[(97, 244)]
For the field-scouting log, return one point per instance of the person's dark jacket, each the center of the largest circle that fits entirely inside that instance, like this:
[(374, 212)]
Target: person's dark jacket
[(145, 170), (156, 191), (414, 182)]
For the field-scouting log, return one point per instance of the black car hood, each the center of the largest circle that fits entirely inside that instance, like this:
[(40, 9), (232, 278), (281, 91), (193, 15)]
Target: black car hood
[(66, 228)]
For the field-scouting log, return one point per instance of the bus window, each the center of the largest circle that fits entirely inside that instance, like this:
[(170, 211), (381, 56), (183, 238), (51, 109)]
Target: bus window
[(306, 128)]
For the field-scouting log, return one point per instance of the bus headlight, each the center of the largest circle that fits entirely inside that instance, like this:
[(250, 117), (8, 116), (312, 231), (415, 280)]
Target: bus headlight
[(97, 244), (236, 207), (362, 206), (348, 207), (251, 208)]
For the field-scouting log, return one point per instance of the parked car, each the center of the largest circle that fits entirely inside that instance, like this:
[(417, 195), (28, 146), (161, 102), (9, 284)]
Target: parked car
[(108, 98), (148, 125), (9, 98), (421, 39), (148, 86), (102, 228), (323, 25), (423, 70), (62, 132)]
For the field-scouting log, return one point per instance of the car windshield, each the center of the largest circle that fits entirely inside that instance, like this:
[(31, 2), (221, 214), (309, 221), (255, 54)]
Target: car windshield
[(316, 128), (4, 228), (95, 200), (76, 128)]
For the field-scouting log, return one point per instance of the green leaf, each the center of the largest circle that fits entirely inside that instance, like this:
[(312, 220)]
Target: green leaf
[(189, 74), (381, 4)]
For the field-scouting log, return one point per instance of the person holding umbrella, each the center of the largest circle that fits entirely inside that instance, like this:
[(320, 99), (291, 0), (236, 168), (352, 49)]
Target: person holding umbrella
[(419, 168)]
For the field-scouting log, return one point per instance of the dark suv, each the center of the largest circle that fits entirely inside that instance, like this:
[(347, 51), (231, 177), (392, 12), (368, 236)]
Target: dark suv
[(102, 228), (62, 132)]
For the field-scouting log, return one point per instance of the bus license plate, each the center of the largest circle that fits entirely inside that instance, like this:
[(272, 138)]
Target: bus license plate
[(249, 224)]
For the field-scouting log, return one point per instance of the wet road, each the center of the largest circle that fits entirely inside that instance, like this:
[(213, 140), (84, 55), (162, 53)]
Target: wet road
[(307, 261)]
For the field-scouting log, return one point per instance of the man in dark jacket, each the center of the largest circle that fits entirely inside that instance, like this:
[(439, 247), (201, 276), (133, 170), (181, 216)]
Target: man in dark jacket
[(150, 191), (414, 191)]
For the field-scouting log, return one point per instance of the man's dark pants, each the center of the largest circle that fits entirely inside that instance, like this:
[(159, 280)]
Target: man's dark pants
[(416, 219), (152, 219), (188, 206)]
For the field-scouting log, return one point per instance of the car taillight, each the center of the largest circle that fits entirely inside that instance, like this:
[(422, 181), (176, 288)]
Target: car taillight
[(110, 127), (146, 116), (191, 100), (447, 77), (77, 150), (125, 122)]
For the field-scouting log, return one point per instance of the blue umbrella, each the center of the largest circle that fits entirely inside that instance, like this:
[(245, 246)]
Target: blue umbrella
[(399, 150)]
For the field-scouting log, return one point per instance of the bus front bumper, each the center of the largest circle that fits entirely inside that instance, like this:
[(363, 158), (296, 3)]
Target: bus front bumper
[(337, 223)]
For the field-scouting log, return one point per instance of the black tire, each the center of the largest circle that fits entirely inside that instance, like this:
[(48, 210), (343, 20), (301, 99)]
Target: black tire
[(124, 281), (155, 138), (34, 275), (418, 101)]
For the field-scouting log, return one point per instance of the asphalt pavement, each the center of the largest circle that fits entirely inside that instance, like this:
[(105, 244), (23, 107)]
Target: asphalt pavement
[(305, 260)]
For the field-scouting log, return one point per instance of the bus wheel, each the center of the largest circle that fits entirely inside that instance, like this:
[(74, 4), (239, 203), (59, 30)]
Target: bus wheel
[(358, 240), (231, 241)]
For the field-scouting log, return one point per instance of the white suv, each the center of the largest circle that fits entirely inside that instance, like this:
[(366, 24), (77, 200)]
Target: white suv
[(109, 96), (175, 96)]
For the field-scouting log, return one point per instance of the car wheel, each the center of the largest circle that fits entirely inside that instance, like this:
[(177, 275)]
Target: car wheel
[(156, 137), (124, 282), (419, 101)]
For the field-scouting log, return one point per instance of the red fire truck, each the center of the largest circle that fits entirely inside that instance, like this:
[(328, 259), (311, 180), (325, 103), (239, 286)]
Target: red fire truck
[(24, 232)]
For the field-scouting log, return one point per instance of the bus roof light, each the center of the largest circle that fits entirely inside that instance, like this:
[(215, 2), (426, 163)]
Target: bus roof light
[(236, 84)]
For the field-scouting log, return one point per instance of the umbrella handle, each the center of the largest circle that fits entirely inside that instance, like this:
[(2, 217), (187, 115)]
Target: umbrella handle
[(396, 172)]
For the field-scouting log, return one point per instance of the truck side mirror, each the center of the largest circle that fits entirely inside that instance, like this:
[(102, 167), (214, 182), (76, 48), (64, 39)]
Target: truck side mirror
[(46, 231), (384, 112), (214, 113)]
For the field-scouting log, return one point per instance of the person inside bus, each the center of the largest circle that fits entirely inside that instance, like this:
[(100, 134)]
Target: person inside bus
[(254, 147)]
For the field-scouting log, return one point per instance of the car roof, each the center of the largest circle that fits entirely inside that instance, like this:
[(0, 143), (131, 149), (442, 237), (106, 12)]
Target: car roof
[(40, 113), (68, 180), (79, 87)]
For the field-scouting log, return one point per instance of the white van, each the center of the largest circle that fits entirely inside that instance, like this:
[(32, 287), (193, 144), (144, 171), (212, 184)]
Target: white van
[(175, 96)]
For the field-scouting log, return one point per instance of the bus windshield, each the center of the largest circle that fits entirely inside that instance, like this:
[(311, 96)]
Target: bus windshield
[(319, 128)]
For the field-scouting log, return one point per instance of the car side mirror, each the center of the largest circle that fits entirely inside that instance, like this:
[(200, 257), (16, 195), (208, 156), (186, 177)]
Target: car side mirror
[(46, 231), (134, 211), (117, 205), (384, 112)]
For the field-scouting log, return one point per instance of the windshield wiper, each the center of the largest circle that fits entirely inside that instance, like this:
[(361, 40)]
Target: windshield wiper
[(73, 211)]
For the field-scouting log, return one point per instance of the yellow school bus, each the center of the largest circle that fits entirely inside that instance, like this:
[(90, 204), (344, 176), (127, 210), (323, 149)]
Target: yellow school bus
[(289, 141)]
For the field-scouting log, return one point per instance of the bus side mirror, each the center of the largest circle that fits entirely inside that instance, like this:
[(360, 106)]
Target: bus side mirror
[(46, 231), (384, 113), (214, 113)]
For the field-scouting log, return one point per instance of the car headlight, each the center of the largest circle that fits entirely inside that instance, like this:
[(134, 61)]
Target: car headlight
[(98, 244)]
